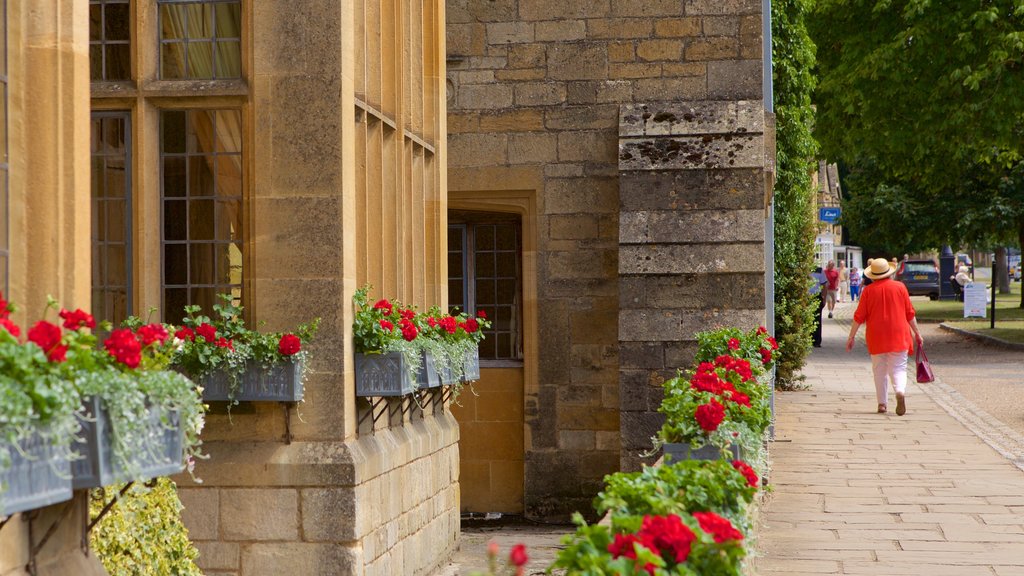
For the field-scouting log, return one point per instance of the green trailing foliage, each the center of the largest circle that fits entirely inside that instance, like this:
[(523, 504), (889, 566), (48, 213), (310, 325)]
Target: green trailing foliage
[(793, 56), (143, 534)]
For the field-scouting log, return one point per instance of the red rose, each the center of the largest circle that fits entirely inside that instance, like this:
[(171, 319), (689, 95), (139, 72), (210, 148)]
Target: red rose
[(124, 347), (289, 345), (10, 327), (151, 333), (710, 415), (481, 314), (47, 336), (208, 332), (720, 528), (385, 306), (667, 534), (387, 326), (734, 344), (185, 333), (773, 343), (747, 472), (77, 319), (223, 342), (517, 556)]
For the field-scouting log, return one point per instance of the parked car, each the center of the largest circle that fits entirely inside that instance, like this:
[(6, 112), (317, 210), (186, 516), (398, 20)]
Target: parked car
[(921, 277)]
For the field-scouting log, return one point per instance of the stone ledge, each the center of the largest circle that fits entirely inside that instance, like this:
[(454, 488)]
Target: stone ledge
[(321, 464), (691, 118)]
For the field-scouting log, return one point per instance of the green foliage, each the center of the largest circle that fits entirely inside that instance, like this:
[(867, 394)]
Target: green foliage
[(679, 488), (234, 345), (143, 534), (793, 56)]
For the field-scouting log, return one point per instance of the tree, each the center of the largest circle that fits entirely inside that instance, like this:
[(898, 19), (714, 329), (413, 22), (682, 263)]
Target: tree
[(922, 99), (793, 60)]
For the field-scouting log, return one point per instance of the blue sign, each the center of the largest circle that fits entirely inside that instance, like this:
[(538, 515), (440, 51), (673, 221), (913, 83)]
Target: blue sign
[(829, 215)]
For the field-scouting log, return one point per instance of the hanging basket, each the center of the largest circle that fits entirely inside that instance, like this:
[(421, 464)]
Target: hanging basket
[(98, 466), (39, 475), (278, 383)]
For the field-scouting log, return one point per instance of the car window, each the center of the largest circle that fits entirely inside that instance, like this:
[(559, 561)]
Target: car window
[(919, 268)]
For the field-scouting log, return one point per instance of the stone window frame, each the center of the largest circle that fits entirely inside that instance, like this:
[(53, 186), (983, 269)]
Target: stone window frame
[(144, 96)]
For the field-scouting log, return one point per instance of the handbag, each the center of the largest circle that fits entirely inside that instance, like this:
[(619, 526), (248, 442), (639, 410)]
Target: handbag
[(924, 369)]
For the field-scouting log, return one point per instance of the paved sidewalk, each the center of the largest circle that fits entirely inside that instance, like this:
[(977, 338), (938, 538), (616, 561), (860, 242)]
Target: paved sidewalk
[(857, 492)]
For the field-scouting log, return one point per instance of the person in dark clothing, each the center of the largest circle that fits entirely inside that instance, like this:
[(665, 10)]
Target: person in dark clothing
[(818, 290)]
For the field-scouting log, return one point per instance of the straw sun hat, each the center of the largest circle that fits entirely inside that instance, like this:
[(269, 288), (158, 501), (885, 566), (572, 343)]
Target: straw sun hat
[(879, 268)]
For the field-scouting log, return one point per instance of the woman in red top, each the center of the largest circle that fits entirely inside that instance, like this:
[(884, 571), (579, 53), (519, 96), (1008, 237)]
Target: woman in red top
[(886, 309)]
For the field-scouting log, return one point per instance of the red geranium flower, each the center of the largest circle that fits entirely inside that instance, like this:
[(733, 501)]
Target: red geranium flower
[(409, 330), (385, 306), (223, 342), (766, 356), (449, 324), (667, 534), (747, 472), (432, 322), (208, 332), (773, 343), (5, 307), (623, 545), (185, 333), (481, 314), (407, 314), (77, 319), (48, 336), (10, 326), (124, 347), (471, 325), (151, 333), (387, 326), (517, 556), (706, 382), (734, 344), (710, 415), (762, 330), (720, 528), (289, 345)]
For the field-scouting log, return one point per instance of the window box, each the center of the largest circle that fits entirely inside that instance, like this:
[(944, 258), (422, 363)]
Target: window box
[(278, 383), (472, 366), (39, 475), (677, 452), (98, 466), (383, 375)]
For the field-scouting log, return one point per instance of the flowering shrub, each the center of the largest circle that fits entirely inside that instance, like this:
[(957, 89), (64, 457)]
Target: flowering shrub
[(757, 345), (678, 544), (205, 345), (680, 488)]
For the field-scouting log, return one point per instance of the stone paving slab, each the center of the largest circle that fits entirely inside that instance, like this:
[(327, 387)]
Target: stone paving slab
[(937, 492)]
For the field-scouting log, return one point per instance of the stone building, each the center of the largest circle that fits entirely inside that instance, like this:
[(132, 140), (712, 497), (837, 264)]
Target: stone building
[(628, 142), (285, 153)]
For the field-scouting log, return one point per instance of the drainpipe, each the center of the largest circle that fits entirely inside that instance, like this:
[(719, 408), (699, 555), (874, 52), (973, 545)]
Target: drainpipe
[(769, 228)]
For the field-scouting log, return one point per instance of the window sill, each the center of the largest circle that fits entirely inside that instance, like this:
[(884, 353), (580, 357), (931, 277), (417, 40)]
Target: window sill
[(501, 363)]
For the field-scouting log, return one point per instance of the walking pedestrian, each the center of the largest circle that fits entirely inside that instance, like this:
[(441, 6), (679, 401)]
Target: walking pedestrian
[(817, 290), (844, 280), (854, 284), (832, 290), (890, 317)]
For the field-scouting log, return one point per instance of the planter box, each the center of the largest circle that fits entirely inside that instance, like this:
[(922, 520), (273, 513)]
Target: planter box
[(472, 370), (39, 478), (383, 375), (428, 376), (279, 383), (97, 467), (682, 451)]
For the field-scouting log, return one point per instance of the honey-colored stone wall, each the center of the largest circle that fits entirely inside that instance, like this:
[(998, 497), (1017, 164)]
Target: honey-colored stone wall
[(535, 88)]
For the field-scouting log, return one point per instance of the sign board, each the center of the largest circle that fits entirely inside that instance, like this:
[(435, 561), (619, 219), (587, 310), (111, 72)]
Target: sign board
[(975, 301), (830, 214)]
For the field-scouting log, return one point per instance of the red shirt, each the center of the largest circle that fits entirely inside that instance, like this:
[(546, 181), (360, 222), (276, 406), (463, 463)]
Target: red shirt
[(833, 279), (886, 310)]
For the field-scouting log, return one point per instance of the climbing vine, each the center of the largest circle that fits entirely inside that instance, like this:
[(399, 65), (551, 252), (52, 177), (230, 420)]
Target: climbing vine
[(793, 56)]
